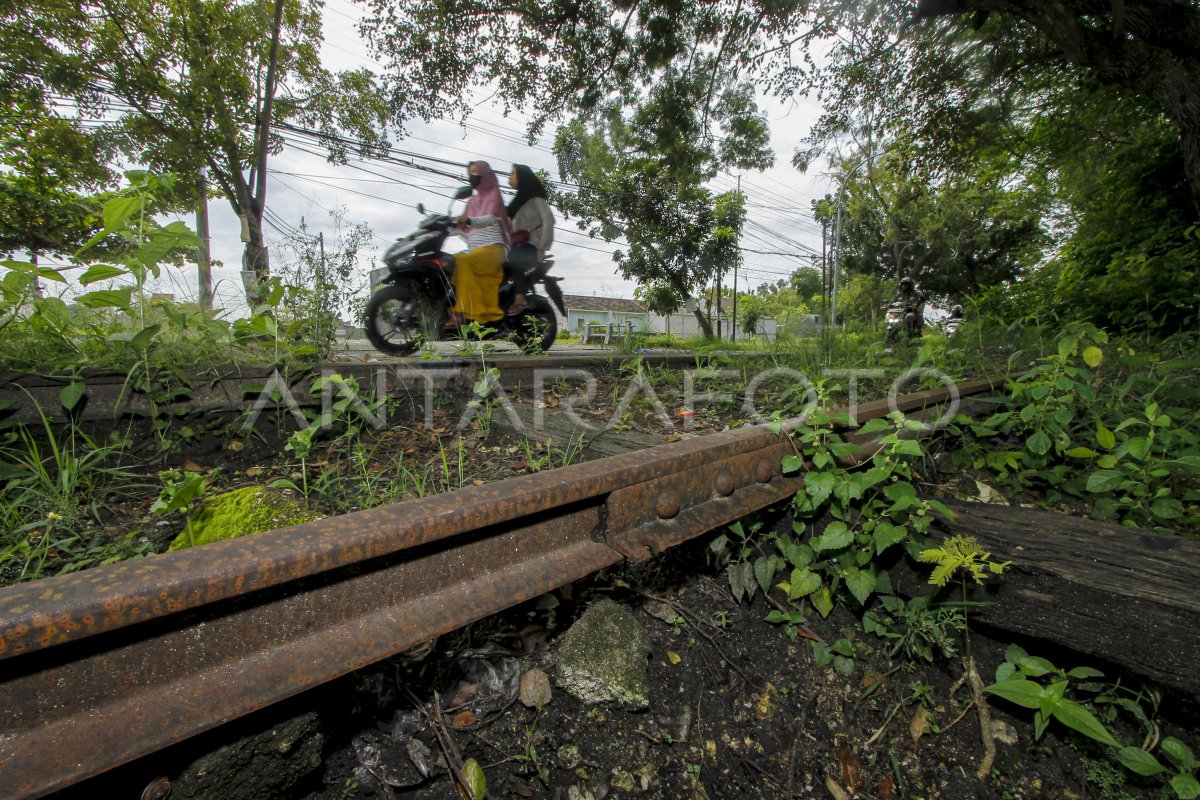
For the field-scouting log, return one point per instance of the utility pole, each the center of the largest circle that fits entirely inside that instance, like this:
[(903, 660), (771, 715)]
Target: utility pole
[(720, 334), (824, 276), (203, 264), (733, 332), (322, 293)]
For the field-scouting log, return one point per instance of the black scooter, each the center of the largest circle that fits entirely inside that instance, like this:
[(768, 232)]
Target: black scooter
[(412, 295)]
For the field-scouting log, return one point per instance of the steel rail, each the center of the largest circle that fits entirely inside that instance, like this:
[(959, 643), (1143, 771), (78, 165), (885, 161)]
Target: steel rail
[(101, 667)]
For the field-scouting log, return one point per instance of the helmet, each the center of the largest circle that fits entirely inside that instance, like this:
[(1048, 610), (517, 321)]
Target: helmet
[(956, 311), (907, 281)]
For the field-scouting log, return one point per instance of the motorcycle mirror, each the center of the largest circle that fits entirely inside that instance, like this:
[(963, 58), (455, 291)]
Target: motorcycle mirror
[(420, 208), (463, 192)]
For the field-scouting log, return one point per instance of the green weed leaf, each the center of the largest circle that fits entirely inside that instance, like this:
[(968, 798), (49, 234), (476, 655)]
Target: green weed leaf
[(803, 583), (100, 272), (764, 572), (476, 781), (1104, 480), (106, 298), (792, 464), (71, 394), (1039, 443), (1023, 692), (1076, 717), (1190, 463), (822, 601), (908, 447), (1178, 752), (861, 583), (1137, 760), (835, 537), (819, 487), (1185, 786), (1035, 666)]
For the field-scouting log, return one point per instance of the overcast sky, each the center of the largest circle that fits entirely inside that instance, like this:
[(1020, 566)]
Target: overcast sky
[(384, 195)]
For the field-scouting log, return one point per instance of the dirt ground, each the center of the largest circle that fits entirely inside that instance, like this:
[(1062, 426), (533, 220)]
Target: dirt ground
[(738, 709)]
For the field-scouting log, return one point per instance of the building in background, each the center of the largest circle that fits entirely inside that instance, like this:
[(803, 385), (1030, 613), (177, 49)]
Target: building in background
[(583, 310)]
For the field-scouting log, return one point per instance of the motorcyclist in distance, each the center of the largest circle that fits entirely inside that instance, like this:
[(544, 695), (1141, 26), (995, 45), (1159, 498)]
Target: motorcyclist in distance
[(913, 300), (954, 320)]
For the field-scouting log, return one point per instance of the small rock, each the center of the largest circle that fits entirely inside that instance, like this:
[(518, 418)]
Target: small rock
[(620, 779), (1004, 733), (568, 756), (535, 689), (767, 706)]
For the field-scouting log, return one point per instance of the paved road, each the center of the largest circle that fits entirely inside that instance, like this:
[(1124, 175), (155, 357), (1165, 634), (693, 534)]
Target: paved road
[(361, 349)]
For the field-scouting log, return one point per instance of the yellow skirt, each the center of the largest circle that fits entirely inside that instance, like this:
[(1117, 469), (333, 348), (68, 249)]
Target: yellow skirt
[(476, 279)]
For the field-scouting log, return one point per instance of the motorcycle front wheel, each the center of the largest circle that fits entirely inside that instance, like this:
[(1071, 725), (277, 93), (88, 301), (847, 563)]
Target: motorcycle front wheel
[(536, 328), (401, 317)]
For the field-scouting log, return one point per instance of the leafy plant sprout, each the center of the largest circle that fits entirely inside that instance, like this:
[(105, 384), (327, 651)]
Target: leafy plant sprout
[(965, 557)]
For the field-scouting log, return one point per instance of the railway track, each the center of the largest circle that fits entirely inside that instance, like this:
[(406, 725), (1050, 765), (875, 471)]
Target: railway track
[(102, 667)]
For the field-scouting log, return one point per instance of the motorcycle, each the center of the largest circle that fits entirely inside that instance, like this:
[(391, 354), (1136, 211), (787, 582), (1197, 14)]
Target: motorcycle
[(412, 295), (898, 318)]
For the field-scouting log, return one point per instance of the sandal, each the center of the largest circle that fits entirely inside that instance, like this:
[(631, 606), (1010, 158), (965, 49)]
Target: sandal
[(518, 306), (457, 320)]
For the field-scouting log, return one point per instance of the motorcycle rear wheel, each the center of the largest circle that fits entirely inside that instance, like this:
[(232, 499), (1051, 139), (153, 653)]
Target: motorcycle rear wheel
[(536, 328), (401, 317)]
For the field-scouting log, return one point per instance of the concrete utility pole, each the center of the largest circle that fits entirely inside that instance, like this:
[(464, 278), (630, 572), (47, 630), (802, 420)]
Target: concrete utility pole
[(733, 333), (203, 264)]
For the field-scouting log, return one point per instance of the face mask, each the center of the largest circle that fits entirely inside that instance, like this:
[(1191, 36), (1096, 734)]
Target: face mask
[(475, 180)]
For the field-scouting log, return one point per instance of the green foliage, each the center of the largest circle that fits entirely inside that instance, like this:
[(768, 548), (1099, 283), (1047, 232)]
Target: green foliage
[(181, 492), (840, 654), (870, 512), (1034, 683), (641, 176), (960, 553), (954, 236), (182, 85), (1102, 423), (54, 481), (918, 628)]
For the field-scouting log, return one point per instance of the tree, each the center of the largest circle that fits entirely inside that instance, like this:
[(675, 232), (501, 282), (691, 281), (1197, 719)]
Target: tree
[(183, 84), (640, 176), (1146, 48), (319, 277), (50, 166), (659, 299), (955, 236)]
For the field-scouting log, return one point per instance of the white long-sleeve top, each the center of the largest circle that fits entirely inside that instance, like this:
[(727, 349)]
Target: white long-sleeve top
[(482, 232)]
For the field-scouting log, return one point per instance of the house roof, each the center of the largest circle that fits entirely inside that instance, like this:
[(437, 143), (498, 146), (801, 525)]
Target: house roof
[(580, 302)]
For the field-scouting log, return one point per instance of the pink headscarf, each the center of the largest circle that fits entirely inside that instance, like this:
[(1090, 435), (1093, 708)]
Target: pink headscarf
[(486, 199)]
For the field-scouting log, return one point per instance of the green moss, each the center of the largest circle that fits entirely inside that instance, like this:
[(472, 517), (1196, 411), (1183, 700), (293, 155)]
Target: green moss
[(243, 512)]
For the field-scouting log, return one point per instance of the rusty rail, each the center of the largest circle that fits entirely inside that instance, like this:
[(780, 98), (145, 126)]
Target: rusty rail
[(107, 665)]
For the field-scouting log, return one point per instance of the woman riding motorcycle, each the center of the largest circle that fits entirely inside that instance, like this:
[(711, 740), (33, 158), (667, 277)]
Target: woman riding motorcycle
[(478, 271), (532, 225)]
